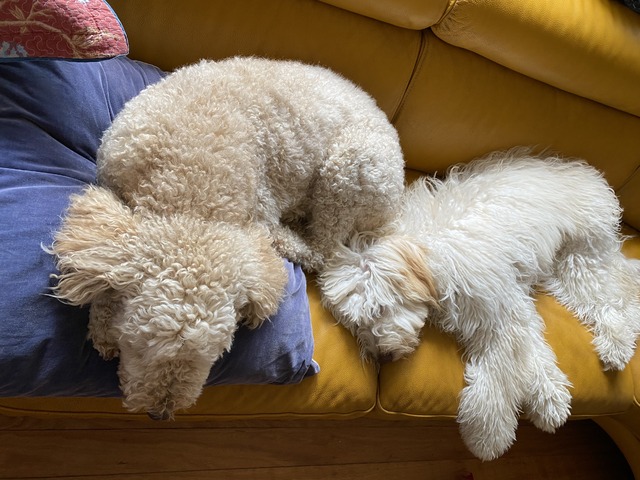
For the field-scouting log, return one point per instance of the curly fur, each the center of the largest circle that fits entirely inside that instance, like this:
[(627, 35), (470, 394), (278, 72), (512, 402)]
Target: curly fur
[(206, 179), (487, 234)]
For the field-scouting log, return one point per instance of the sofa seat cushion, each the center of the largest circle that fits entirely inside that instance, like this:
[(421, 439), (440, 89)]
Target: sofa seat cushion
[(428, 383), (589, 47), (344, 388)]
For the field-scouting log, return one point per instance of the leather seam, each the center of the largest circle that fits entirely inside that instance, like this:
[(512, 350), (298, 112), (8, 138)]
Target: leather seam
[(451, 5), (422, 54), (634, 174)]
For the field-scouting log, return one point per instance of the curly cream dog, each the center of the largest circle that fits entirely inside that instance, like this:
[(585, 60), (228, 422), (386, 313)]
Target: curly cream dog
[(206, 179), (489, 233)]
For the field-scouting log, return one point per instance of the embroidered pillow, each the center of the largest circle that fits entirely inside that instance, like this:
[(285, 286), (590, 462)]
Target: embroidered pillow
[(70, 29)]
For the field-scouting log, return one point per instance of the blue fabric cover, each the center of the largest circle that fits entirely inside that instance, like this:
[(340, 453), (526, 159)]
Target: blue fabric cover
[(52, 115)]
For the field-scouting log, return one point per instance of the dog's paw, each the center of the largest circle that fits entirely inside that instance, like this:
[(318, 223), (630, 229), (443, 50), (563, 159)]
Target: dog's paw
[(107, 351), (487, 436), (549, 409), (289, 244), (615, 342), (102, 338), (486, 419), (252, 321), (312, 262), (548, 399), (614, 352)]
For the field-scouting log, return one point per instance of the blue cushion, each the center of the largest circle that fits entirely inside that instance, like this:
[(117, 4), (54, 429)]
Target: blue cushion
[(52, 115)]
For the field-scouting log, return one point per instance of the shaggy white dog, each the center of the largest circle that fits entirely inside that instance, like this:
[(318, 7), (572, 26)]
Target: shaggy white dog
[(488, 234), (206, 179)]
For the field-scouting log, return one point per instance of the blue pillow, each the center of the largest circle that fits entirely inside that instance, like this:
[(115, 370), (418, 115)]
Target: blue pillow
[(52, 115)]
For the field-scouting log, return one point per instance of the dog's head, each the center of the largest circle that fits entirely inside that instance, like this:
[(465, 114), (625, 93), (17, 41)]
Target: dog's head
[(382, 291), (174, 287)]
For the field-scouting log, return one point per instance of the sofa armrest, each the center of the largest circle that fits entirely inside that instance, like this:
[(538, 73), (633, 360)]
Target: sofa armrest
[(624, 429)]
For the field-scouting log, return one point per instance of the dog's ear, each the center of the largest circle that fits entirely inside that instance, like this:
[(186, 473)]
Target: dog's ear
[(399, 273), (92, 246), (264, 278), (416, 281)]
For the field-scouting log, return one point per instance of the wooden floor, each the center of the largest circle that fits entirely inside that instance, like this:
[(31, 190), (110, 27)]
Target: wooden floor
[(313, 450)]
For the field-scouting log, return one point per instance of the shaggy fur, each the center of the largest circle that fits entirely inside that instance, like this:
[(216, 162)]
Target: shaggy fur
[(206, 179), (488, 234)]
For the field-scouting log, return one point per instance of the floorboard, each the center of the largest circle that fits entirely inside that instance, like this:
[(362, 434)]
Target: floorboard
[(350, 450)]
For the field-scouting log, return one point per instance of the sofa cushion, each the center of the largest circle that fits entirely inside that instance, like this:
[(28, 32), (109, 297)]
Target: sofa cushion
[(52, 115), (410, 14), (503, 108), (590, 48), (345, 388), (86, 29), (377, 56)]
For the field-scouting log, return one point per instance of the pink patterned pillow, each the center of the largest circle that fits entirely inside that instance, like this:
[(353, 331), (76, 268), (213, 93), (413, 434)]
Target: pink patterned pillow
[(72, 29)]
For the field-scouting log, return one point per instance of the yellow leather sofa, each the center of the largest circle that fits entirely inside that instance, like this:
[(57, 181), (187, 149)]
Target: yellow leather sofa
[(458, 79)]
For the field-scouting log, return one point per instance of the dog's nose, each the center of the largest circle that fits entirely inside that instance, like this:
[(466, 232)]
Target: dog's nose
[(385, 358), (164, 415)]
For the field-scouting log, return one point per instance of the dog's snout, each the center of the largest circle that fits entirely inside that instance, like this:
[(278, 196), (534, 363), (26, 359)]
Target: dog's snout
[(164, 415)]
